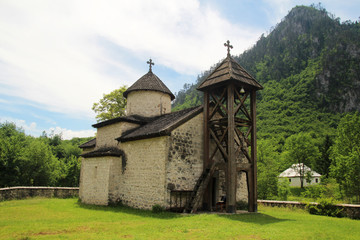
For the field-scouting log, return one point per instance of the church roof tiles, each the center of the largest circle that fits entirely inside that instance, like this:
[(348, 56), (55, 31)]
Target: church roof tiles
[(103, 152), (149, 128), (89, 144), (131, 119), (161, 126)]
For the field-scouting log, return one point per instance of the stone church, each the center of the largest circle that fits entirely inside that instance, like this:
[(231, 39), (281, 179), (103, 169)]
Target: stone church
[(155, 156)]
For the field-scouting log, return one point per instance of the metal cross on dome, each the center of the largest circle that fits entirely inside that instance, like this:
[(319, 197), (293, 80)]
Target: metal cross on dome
[(227, 44), (150, 62)]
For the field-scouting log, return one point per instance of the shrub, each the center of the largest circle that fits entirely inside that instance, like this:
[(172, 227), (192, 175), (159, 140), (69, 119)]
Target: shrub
[(314, 191), (326, 207), (283, 189), (242, 205), (157, 208), (296, 191)]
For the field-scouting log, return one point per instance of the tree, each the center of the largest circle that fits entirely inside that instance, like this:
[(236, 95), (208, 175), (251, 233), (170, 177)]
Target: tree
[(267, 168), (112, 105), (12, 143), (301, 149), (345, 155), (42, 161), (25, 160), (40, 166), (322, 166)]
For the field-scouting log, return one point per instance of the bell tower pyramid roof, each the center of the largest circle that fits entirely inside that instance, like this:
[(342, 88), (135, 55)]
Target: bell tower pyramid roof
[(229, 70), (149, 82)]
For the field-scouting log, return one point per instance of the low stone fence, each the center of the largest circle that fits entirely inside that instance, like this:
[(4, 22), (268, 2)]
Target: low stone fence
[(48, 192), (350, 210)]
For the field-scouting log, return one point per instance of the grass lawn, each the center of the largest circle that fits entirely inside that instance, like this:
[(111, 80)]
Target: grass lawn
[(67, 219)]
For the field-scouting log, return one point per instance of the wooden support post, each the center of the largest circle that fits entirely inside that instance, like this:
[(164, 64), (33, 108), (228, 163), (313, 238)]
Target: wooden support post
[(206, 161), (253, 170), (206, 130), (231, 178)]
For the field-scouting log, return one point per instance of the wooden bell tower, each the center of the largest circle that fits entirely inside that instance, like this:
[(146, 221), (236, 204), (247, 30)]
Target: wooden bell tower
[(230, 126)]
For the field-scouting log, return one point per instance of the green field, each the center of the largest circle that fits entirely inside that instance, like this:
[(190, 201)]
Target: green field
[(67, 219)]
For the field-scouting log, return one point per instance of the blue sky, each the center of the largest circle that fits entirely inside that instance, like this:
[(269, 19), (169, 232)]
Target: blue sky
[(58, 57)]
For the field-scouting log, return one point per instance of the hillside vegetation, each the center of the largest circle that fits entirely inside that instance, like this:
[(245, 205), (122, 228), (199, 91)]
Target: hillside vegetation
[(309, 65)]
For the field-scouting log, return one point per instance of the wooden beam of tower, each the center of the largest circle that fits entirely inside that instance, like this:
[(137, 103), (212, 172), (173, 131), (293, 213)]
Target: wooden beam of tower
[(206, 162), (218, 143), (253, 170), (218, 104), (206, 130), (231, 175), (241, 105)]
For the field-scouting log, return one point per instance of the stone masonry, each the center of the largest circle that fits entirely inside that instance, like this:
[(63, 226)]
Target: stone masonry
[(142, 184), (148, 103)]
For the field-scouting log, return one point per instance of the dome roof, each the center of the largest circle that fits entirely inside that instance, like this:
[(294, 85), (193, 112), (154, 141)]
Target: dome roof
[(149, 82)]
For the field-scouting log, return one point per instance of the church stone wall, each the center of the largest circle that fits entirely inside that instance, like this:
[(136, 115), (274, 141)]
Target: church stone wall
[(148, 103), (185, 155), (142, 184), (242, 184), (94, 180), (106, 135)]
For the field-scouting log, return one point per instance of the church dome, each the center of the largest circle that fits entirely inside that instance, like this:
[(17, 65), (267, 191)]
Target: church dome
[(149, 82), (148, 96)]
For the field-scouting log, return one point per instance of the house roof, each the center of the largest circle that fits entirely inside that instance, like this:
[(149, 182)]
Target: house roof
[(161, 126), (293, 171), (149, 82), (89, 144), (131, 119), (103, 152), (230, 70)]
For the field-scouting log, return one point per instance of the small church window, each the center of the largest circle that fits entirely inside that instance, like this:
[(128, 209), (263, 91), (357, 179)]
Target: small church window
[(289, 179), (316, 180)]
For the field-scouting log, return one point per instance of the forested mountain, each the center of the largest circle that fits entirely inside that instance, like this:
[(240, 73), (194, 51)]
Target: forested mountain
[(309, 65)]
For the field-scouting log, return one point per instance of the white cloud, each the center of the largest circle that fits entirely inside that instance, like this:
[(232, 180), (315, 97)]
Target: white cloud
[(51, 56), (33, 130), (28, 128), (49, 53), (67, 134)]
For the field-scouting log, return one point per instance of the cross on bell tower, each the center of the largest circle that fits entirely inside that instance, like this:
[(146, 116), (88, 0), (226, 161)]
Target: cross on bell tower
[(150, 62), (230, 126), (227, 44)]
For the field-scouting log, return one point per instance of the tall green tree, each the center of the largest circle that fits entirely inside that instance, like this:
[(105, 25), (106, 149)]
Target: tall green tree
[(322, 166), (40, 166), (112, 105), (301, 149), (12, 143), (267, 168), (345, 155)]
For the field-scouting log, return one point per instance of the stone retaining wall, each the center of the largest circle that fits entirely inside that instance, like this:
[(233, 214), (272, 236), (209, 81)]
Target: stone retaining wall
[(350, 210), (12, 193)]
